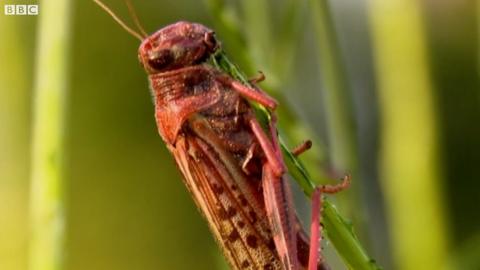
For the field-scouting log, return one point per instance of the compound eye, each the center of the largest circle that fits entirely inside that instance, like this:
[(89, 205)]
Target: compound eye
[(160, 60), (211, 41)]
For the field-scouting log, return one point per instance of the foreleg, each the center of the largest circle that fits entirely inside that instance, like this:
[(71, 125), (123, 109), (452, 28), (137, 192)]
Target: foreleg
[(171, 118), (249, 92)]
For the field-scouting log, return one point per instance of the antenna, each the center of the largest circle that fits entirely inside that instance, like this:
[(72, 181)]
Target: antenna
[(134, 16), (122, 24)]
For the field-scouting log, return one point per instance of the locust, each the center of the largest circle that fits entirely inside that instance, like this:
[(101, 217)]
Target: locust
[(231, 164)]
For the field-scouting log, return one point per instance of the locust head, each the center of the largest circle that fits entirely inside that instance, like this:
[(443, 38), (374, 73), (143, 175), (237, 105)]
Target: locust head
[(177, 45)]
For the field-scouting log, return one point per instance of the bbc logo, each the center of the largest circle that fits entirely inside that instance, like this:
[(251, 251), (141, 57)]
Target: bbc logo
[(21, 9)]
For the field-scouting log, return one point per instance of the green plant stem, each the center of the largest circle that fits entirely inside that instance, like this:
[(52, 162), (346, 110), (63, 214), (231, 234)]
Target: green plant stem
[(339, 231), (47, 183), (410, 168)]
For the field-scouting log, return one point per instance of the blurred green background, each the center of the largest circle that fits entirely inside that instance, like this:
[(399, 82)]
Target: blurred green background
[(388, 89)]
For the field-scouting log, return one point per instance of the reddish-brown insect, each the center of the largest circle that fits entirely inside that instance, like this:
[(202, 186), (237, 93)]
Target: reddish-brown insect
[(232, 167)]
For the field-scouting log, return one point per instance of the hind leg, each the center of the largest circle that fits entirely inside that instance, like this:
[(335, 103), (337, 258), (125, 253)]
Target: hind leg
[(280, 213), (315, 228), (315, 256)]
